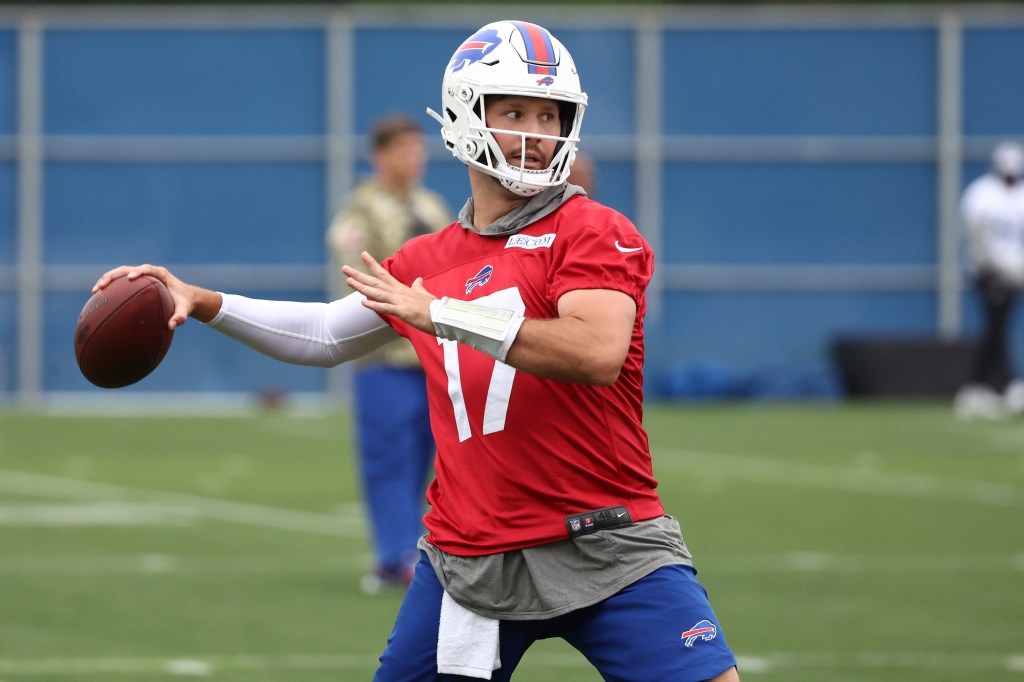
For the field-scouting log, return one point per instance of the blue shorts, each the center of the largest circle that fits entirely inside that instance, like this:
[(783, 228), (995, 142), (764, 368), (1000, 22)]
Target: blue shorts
[(659, 628)]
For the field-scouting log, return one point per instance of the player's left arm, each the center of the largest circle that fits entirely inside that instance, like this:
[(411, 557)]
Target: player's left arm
[(587, 343)]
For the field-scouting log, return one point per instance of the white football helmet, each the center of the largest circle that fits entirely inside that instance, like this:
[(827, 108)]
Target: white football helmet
[(510, 58), (1008, 159)]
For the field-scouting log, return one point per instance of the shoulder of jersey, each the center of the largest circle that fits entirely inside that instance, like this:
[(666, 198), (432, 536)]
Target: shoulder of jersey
[(984, 186), (585, 211)]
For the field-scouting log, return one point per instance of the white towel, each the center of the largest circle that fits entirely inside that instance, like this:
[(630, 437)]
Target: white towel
[(467, 643)]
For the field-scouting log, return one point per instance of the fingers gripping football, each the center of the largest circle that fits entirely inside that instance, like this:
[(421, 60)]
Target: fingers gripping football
[(181, 293)]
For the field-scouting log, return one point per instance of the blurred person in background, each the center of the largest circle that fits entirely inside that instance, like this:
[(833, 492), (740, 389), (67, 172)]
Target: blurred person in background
[(528, 315), (584, 174), (992, 208), (395, 448)]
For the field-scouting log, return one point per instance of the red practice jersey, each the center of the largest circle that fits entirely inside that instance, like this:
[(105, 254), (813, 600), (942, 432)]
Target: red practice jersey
[(516, 453)]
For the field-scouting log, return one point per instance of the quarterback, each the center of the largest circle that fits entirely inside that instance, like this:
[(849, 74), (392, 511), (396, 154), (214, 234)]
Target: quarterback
[(527, 315)]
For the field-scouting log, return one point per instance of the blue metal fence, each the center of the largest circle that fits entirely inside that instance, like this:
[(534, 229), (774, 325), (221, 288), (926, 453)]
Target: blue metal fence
[(797, 172)]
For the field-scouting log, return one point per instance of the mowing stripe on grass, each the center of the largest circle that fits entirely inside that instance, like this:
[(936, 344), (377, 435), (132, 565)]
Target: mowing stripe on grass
[(880, 661), (97, 514), (859, 564), (170, 564), (263, 516), (787, 562), (206, 666), (816, 476), (193, 666)]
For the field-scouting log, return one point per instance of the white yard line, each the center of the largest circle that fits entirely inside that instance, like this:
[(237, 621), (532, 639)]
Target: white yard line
[(859, 564), (206, 666), (882, 661), (157, 564), (169, 564), (192, 666), (818, 476), (92, 514), (262, 516)]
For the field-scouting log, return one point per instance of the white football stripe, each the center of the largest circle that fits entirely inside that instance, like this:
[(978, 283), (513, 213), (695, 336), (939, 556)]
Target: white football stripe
[(39, 485), (103, 514), (850, 479), (154, 564), (877, 661)]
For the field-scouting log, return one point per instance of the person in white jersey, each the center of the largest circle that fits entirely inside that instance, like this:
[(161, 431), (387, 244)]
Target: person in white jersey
[(992, 208)]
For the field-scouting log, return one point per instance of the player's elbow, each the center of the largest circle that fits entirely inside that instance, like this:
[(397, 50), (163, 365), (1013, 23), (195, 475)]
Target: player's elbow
[(606, 379), (601, 367)]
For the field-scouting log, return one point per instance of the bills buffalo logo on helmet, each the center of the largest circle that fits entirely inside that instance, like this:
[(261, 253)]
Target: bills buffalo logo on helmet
[(546, 80), (476, 47), (479, 279)]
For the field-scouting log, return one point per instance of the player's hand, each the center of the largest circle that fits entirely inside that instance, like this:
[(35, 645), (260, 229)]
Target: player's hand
[(386, 295), (184, 295)]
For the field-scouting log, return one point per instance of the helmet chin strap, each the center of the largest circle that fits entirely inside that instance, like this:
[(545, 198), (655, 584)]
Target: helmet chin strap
[(522, 187)]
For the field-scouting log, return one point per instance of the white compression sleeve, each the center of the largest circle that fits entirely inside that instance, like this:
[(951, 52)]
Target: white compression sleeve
[(319, 334)]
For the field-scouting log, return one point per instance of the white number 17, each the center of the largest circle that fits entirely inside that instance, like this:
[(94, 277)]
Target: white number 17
[(500, 388)]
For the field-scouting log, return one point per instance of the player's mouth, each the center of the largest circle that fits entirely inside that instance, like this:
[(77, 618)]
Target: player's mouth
[(531, 161)]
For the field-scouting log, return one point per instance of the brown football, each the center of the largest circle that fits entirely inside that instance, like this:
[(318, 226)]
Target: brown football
[(122, 333)]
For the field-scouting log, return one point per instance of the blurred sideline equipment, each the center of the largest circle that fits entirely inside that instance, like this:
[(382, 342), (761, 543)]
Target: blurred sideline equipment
[(122, 335), (395, 447), (992, 208), (902, 367)]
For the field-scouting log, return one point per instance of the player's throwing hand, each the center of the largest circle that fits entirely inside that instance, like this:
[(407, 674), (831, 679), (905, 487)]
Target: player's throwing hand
[(387, 296)]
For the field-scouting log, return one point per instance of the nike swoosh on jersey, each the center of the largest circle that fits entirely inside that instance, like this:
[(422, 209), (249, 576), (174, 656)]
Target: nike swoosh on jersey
[(623, 249)]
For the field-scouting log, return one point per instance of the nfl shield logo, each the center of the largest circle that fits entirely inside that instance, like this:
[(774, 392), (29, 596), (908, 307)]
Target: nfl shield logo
[(574, 524)]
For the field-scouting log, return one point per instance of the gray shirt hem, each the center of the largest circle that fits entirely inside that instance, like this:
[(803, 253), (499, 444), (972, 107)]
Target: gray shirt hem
[(550, 580)]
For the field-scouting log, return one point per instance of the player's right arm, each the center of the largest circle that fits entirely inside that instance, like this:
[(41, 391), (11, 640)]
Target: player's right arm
[(319, 334)]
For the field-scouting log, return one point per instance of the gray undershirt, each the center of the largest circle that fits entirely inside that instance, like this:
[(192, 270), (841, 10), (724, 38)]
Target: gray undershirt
[(553, 579), (524, 215)]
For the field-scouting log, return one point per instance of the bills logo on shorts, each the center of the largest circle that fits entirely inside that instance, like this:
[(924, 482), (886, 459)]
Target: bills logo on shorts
[(476, 47), (705, 631), (479, 279)]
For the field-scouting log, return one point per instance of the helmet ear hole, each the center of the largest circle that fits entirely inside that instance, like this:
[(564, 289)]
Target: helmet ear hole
[(566, 116)]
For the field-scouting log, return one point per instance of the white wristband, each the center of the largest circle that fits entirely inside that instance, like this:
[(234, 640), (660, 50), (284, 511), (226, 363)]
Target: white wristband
[(488, 329)]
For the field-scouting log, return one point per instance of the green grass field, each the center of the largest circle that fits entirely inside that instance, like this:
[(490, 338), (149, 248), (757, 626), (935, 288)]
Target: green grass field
[(839, 543)]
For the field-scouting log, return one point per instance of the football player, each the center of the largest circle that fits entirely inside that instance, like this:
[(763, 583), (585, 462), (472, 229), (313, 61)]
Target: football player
[(527, 315), (992, 208)]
